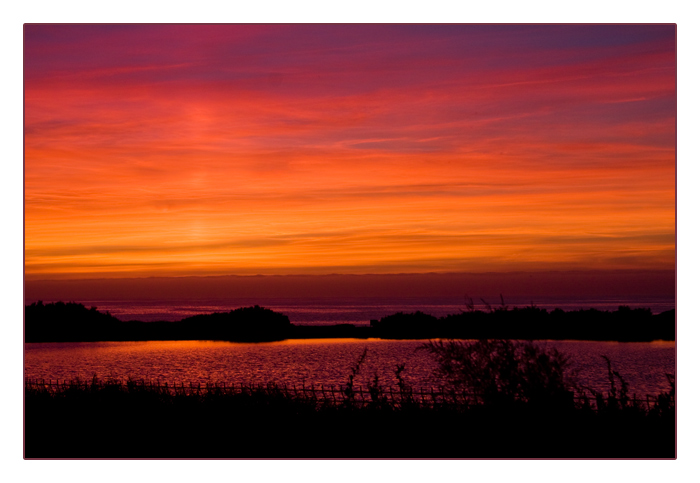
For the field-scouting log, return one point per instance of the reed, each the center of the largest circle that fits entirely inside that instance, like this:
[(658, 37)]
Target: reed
[(127, 419)]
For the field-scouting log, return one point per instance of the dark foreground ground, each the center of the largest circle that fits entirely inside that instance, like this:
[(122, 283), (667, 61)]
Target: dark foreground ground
[(106, 422)]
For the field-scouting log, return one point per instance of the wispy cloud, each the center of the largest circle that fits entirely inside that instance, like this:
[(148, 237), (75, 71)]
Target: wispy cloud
[(213, 149)]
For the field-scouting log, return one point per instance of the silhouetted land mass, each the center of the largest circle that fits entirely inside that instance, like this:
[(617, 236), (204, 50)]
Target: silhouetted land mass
[(532, 323), (72, 322), (61, 322)]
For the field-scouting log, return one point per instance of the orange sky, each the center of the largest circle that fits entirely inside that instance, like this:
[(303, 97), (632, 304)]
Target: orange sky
[(311, 149)]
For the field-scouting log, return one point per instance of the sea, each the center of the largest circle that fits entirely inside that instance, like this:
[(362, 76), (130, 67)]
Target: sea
[(328, 362), (353, 310), (322, 362)]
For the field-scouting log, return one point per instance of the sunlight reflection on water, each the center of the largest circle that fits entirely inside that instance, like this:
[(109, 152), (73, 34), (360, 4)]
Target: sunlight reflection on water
[(320, 361)]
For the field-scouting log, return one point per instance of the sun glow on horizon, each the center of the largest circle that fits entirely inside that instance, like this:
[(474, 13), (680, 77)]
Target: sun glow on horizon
[(245, 149)]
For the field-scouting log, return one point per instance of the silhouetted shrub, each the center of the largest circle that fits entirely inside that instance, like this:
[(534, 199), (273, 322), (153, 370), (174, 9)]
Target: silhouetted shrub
[(503, 371)]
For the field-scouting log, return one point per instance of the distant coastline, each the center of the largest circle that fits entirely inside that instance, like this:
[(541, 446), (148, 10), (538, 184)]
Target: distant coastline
[(73, 322)]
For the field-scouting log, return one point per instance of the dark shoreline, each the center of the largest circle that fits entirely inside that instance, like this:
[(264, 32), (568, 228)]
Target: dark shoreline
[(72, 322)]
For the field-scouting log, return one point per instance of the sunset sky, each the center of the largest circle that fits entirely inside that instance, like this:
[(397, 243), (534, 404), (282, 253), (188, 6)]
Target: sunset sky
[(171, 150)]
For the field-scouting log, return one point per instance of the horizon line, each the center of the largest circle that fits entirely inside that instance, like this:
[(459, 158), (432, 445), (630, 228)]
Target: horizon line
[(315, 275)]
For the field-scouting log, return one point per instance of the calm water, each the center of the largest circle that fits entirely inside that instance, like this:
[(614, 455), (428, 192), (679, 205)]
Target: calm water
[(324, 361), (352, 310)]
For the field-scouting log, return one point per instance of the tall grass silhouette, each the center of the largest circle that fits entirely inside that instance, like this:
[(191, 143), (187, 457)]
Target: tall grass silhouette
[(525, 406)]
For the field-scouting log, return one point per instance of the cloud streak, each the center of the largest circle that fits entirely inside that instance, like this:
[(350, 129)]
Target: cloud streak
[(212, 149)]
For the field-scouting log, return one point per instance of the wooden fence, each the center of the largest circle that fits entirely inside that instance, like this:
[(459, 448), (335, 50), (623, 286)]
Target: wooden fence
[(321, 395)]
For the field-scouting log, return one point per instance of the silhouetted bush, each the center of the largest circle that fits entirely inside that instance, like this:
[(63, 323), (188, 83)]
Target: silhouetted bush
[(505, 372)]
